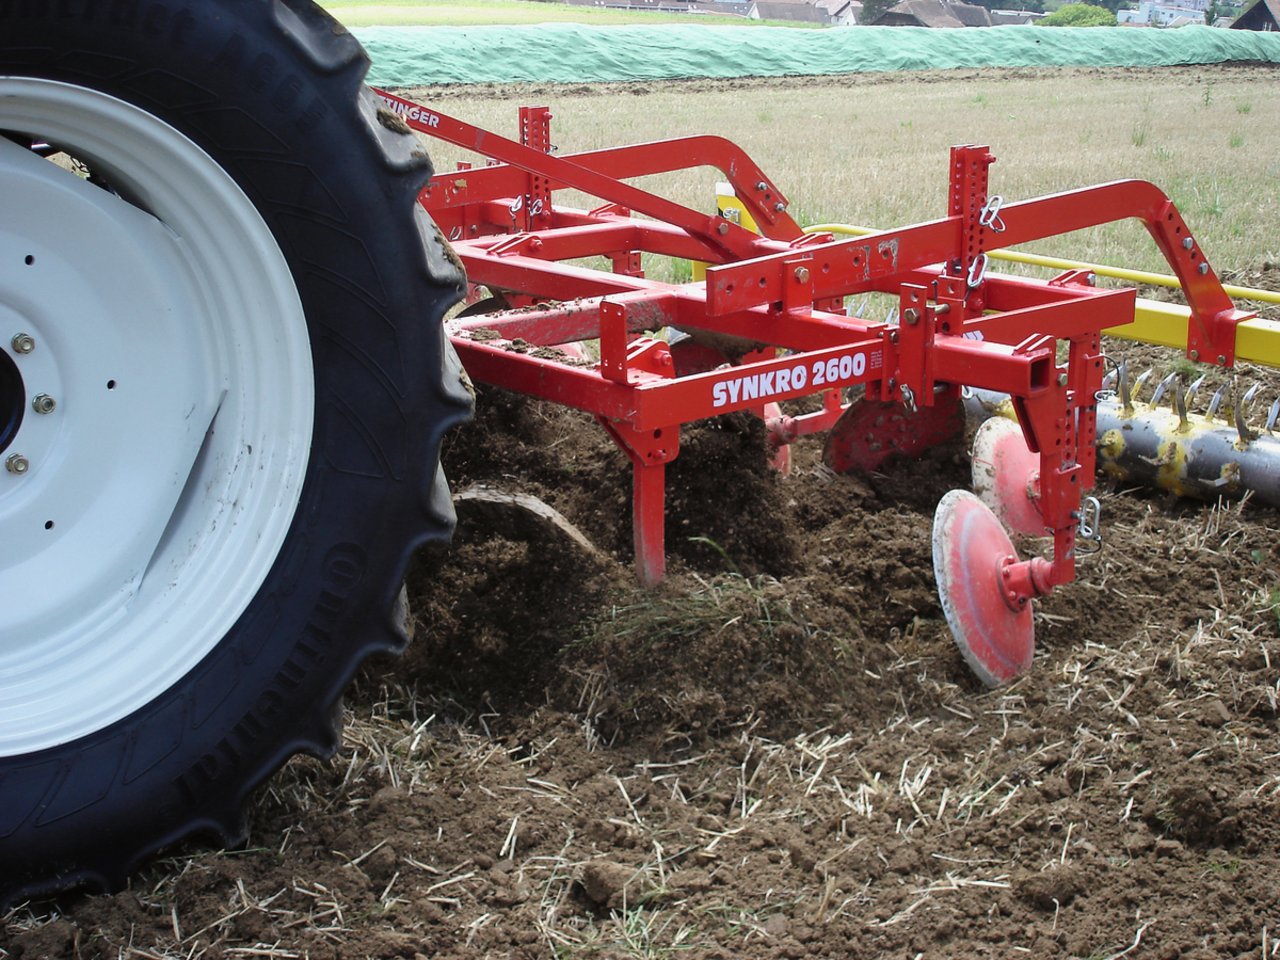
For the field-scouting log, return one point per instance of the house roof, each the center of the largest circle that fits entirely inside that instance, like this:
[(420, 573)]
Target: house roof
[(734, 8), (1004, 18), (801, 10), (1263, 15), (666, 6), (935, 13)]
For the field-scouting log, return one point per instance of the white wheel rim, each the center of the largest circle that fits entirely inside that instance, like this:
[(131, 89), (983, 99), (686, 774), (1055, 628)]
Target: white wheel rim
[(160, 489)]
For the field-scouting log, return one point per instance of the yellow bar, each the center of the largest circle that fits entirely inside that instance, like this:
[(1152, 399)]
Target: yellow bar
[(1155, 322), (1164, 324), (1259, 340), (731, 208)]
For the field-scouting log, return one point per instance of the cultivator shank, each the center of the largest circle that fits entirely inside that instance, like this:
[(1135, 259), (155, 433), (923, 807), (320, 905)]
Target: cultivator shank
[(772, 307)]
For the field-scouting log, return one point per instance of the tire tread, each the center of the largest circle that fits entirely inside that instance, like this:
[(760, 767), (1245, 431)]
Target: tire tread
[(145, 752)]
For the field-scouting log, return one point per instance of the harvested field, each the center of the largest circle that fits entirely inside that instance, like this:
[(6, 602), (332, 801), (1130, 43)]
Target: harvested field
[(777, 753)]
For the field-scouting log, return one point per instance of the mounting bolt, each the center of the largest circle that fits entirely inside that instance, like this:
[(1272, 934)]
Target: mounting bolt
[(1062, 379), (722, 227), (23, 343), (43, 403), (17, 464), (893, 338), (1203, 268), (762, 185), (801, 274), (780, 206), (911, 316), (1195, 356), (1222, 359), (1187, 243)]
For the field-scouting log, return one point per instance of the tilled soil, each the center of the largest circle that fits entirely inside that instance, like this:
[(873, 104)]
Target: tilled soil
[(779, 752)]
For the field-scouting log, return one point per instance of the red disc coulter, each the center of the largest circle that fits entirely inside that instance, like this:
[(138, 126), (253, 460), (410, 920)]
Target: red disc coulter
[(1006, 476)]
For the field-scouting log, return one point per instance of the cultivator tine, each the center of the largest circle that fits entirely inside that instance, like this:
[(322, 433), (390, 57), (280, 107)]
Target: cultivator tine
[(1161, 389), (1215, 403), (1239, 410), (1273, 415), (1178, 401), (1141, 380), (1190, 396), (1124, 388)]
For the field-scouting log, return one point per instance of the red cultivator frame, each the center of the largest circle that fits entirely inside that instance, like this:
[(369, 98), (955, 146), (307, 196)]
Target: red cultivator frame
[(778, 297)]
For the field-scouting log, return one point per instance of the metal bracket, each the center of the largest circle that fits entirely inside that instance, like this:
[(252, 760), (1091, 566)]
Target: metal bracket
[(1089, 527)]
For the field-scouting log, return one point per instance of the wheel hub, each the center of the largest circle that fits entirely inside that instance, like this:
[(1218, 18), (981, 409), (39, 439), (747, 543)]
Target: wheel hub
[(12, 407), (164, 398)]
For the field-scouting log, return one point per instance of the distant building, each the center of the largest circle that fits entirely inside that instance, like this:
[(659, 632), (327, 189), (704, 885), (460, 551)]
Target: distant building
[(934, 13), (1263, 15), (723, 8), (841, 13), (826, 12), (801, 11), (1151, 13), (1012, 18), (651, 6), (731, 8)]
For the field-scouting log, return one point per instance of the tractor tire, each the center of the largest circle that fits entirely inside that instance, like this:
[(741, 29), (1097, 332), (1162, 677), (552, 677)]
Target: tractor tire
[(223, 386)]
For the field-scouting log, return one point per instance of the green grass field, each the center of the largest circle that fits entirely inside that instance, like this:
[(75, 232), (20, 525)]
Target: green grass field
[(404, 13)]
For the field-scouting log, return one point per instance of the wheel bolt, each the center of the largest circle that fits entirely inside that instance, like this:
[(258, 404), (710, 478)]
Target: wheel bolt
[(17, 464), (43, 403), (23, 343)]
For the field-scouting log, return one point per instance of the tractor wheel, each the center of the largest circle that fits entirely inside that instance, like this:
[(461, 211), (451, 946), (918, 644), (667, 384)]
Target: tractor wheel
[(223, 385)]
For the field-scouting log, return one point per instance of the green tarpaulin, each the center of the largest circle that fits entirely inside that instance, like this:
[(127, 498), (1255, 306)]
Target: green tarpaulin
[(572, 53)]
